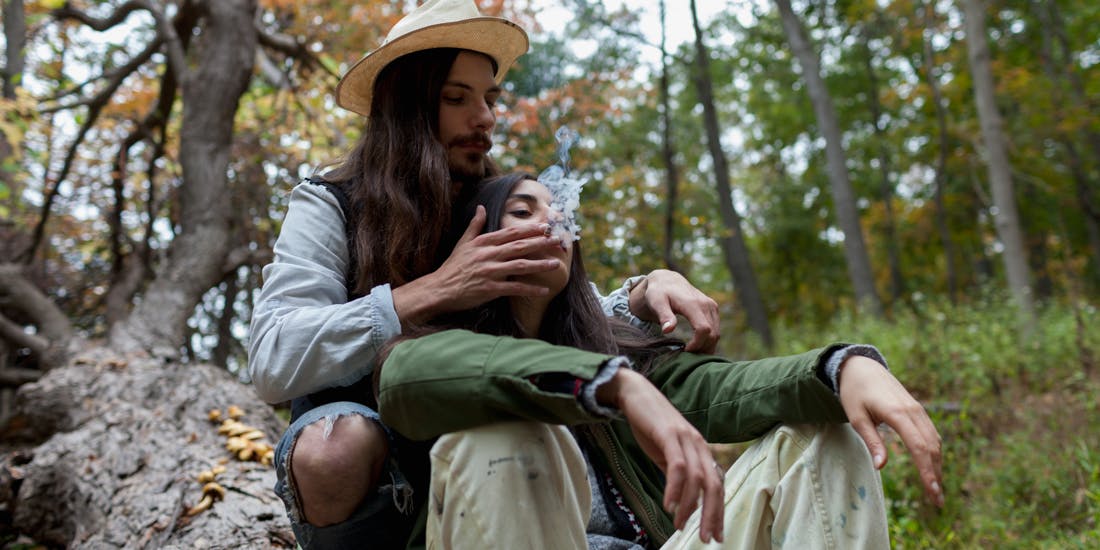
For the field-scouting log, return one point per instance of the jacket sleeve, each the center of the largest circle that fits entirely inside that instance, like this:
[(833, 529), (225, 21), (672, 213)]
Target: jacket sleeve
[(737, 401), (456, 379), (305, 335)]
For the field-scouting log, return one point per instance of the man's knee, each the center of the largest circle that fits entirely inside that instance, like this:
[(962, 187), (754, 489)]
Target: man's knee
[(348, 444)]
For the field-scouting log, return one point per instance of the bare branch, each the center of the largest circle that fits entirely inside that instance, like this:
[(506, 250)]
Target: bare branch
[(13, 333), (271, 72), (40, 229), (166, 31), (114, 78), (246, 256), (13, 377), (99, 24), (24, 296), (177, 63)]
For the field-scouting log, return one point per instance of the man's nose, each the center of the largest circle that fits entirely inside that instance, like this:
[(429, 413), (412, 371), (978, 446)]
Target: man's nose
[(483, 118)]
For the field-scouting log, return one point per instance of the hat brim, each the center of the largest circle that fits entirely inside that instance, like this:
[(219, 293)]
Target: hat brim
[(498, 38)]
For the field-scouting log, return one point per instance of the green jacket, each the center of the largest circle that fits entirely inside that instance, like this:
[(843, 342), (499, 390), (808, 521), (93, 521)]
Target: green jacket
[(455, 380)]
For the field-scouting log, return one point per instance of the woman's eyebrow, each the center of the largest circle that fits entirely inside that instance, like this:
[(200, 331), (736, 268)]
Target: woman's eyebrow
[(524, 197)]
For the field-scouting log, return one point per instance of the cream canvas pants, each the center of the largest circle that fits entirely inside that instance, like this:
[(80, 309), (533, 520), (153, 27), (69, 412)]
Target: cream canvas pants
[(524, 485)]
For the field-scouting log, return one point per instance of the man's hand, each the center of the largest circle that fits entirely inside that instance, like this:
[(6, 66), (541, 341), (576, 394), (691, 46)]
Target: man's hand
[(664, 294), (478, 270), (675, 446), (871, 395)]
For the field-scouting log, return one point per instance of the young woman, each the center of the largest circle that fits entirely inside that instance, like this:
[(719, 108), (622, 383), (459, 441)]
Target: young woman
[(634, 464)]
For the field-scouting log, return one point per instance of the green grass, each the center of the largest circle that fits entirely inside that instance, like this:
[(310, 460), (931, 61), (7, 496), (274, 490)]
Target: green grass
[(1018, 410)]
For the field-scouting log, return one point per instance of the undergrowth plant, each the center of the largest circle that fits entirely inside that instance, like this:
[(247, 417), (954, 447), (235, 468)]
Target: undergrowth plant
[(1016, 404)]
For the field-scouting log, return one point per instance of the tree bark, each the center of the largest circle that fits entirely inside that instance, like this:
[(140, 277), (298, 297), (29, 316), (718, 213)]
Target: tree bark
[(1006, 217), (15, 39), (222, 67), (672, 173), (118, 445), (855, 251), (733, 242), (1087, 200), (897, 281), (942, 149), (55, 330)]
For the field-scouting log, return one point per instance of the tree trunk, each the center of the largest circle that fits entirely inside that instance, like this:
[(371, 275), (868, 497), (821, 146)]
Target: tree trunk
[(942, 149), (733, 243), (15, 39), (672, 174), (120, 443), (224, 53), (855, 251), (1087, 201), (897, 281), (1006, 218)]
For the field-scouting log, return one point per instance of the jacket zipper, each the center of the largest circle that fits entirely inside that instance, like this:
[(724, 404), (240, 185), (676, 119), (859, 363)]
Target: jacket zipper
[(630, 493)]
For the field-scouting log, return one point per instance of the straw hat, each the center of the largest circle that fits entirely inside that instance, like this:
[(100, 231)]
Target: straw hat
[(435, 24)]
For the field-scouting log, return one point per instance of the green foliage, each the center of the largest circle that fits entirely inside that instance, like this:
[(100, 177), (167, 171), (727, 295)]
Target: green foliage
[(1019, 418)]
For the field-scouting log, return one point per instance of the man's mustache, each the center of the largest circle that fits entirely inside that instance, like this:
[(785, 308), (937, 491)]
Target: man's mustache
[(475, 139)]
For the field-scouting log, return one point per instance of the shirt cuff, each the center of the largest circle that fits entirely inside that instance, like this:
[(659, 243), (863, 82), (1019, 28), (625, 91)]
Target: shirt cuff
[(832, 365), (603, 376)]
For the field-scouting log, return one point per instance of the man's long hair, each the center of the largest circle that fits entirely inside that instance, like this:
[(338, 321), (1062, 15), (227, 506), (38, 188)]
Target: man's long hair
[(574, 317), (397, 176)]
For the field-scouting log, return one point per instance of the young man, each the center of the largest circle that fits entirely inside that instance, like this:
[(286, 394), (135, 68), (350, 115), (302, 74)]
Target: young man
[(337, 292)]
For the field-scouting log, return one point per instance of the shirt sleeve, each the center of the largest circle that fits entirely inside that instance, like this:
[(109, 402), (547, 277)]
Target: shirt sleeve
[(617, 304), (305, 335)]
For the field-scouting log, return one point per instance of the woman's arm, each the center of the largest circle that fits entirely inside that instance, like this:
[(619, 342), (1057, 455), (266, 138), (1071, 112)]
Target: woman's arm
[(737, 401), (456, 379)]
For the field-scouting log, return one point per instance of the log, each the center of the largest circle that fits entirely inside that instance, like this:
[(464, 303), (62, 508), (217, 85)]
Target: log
[(111, 448)]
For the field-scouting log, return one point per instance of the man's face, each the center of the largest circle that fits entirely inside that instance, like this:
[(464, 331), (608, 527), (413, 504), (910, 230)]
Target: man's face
[(466, 118)]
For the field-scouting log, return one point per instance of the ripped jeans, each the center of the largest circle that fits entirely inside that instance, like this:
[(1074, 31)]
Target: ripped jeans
[(385, 517)]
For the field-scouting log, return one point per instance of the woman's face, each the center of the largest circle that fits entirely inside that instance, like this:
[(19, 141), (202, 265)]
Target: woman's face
[(528, 203)]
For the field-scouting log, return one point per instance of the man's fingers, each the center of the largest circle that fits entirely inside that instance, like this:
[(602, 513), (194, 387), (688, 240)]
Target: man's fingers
[(694, 477), (474, 229), (704, 337)]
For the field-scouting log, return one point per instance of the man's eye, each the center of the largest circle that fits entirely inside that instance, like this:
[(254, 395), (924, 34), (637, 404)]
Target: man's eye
[(520, 213), (453, 100)]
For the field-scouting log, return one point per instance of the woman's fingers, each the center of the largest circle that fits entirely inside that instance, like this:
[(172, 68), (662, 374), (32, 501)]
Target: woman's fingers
[(867, 431)]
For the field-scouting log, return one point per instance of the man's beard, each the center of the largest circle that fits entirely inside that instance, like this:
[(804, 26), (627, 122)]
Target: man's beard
[(471, 168), (469, 172)]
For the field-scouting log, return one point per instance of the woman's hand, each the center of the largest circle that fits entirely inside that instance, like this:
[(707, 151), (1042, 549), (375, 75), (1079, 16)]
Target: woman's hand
[(478, 270), (871, 395), (664, 294), (675, 446)]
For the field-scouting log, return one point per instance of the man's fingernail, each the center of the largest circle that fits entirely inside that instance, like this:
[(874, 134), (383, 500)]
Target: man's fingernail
[(665, 327), (878, 461), (936, 488)]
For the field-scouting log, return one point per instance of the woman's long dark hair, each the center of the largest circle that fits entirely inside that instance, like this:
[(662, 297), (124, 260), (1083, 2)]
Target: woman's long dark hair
[(574, 317), (397, 176)]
